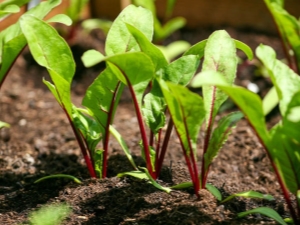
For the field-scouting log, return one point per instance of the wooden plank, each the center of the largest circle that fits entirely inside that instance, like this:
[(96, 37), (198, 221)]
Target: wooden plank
[(251, 14)]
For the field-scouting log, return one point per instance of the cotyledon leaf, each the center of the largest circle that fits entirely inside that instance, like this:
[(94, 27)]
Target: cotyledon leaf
[(264, 211)]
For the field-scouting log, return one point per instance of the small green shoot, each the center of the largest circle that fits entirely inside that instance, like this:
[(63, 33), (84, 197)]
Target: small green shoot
[(76, 180), (53, 214), (266, 212)]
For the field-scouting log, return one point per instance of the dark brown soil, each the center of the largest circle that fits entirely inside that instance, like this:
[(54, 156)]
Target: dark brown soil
[(40, 142)]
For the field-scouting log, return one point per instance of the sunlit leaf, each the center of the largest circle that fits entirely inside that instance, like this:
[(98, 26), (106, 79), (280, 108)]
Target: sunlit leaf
[(249, 194), (119, 39), (266, 212)]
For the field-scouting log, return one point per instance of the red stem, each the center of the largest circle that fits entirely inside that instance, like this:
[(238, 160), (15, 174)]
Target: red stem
[(192, 168), (107, 134), (193, 173), (280, 181), (164, 146), (284, 46), (206, 140), (142, 128), (82, 147)]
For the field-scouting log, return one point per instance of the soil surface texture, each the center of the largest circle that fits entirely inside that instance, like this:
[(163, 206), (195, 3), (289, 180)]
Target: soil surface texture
[(40, 142)]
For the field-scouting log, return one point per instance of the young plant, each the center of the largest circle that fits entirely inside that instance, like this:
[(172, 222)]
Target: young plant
[(60, 64), (289, 30), (134, 61), (167, 91), (282, 141), (12, 40)]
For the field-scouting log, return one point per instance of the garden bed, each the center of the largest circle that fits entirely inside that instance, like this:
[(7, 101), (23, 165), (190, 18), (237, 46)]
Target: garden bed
[(40, 142)]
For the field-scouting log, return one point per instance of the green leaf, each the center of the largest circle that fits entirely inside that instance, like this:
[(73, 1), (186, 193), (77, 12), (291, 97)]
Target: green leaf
[(242, 97), (174, 49), (75, 8), (214, 191), (123, 144), (19, 3), (76, 180), (148, 48), (288, 138), (249, 194), (183, 185), (286, 81), (10, 52), (91, 58), (162, 32), (8, 10), (50, 215), (146, 176), (12, 41), (187, 112), (3, 124), (102, 98), (59, 61), (89, 128), (91, 24), (264, 211), (270, 101), (53, 90), (147, 4), (119, 39), (170, 7), (154, 108), (220, 56), (154, 183), (197, 49), (220, 135), (289, 27), (245, 48), (61, 18), (98, 162), (181, 70), (135, 69), (137, 174)]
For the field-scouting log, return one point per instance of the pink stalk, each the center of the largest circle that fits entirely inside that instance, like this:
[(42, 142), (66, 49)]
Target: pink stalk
[(84, 152), (107, 134), (191, 162), (164, 147), (192, 171), (284, 46), (206, 140), (280, 181), (142, 129)]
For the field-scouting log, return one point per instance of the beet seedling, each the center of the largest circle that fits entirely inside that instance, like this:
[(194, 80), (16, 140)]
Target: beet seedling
[(12, 40), (288, 28), (282, 141)]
